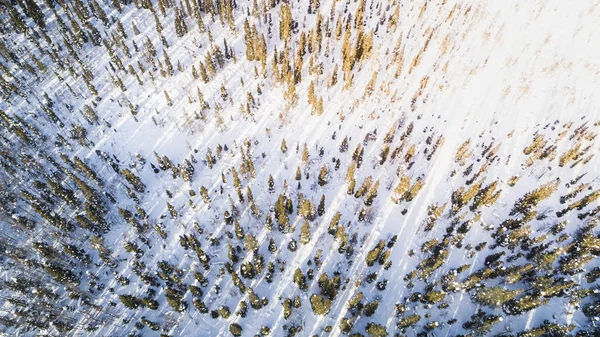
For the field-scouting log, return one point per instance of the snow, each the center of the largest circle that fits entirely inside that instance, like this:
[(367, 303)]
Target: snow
[(492, 69)]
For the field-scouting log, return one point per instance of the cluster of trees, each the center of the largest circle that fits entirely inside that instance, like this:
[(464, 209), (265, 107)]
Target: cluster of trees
[(65, 205)]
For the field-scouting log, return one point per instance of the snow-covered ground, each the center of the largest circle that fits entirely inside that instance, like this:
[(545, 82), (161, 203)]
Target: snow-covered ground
[(486, 71)]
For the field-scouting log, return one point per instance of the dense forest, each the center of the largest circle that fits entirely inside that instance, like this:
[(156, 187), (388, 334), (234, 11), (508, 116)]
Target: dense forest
[(357, 168)]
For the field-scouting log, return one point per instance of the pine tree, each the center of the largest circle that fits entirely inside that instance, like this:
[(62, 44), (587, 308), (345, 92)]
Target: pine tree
[(364, 188), (300, 279), (17, 21), (287, 308), (311, 93), (168, 99), (150, 303), (494, 296), (204, 195), (319, 107), (203, 73), (34, 11), (323, 175), (271, 184), (321, 207), (372, 194), (306, 209), (375, 253), (526, 204), (285, 25), (305, 233), (281, 214), (305, 155), (272, 245), (235, 329), (401, 189), (134, 180), (130, 302), (168, 65), (239, 232), (375, 330), (408, 321), (333, 225), (371, 307), (224, 311), (249, 39), (320, 305), (172, 211), (210, 65), (180, 25), (250, 242)]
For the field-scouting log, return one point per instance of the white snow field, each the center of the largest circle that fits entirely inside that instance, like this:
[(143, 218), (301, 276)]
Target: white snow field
[(481, 79)]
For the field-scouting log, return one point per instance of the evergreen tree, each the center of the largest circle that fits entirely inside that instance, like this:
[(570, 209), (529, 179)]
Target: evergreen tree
[(168, 65), (271, 184), (321, 207), (320, 305), (285, 25), (283, 146), (134, 180), (204, 195), (305, 233), (494, 296), (323, 175), (281, 214), (168, 99), (180, 25), (375, 330), (300, 279), (130, 302), (235, 329), (372, 194), (305, 155)]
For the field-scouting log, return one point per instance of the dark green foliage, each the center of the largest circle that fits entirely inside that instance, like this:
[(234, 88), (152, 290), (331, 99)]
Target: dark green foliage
[(134, 180), (300, 279), (247, 270), (281, 214), (481, 322), (374, 254), (523, 304), (77, 253), (271, 184), (200, 306), (130, 302), (150, 303), (61, 274), (323, 176), (175, 299), (408, 321), (180, 26), (547, 329), (224, 311), (287, 308), (333, 225), (235, 329), (152, 325), (320, 305), (305, 232), (494, 296), (329, 285), (371, 307), (321, 207), (375, 330)]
